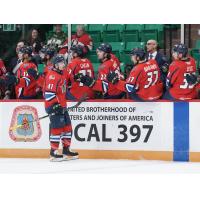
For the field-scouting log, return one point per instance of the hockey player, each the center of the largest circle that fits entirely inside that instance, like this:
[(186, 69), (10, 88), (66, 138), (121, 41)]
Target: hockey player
[(46, 54), (55, 105), (178, 84), (113, 56), (3, 72), (143, 83), (25, 85), (107, 65), (79, 64)]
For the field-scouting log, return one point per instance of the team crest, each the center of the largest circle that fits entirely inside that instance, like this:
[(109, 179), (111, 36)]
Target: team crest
[(25, 131)]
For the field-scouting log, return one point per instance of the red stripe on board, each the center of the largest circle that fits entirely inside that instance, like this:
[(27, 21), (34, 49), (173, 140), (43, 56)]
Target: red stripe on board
[(93, 100)]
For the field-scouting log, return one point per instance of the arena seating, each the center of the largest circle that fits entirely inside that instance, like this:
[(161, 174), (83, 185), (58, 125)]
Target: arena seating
[(124, 37)]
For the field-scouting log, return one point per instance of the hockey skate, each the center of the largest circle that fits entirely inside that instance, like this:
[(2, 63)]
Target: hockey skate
[(69, 155), (55, 157)]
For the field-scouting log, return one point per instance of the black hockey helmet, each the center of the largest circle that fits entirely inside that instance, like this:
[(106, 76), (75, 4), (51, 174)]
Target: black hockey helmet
[(48, 51), (79, 49), (58, 59), (181, 49), (26, 50), (105, 47), (138, 52)]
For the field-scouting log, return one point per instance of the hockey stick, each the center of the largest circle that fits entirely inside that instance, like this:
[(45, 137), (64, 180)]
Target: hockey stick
[(83, 98)]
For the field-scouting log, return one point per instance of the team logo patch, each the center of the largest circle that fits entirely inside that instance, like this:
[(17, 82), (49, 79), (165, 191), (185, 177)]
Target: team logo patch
[(52, 77), (27, 132)]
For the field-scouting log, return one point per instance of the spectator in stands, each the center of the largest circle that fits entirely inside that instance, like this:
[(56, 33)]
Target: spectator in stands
[(13, 66), (80, 38), (56, 38), (153, 53), (35, 42)]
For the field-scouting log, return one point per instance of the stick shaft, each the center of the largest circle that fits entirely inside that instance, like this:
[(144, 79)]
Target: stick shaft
[(83, 98)]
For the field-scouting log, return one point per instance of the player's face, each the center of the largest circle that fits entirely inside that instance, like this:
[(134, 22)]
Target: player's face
[(61, 65), (20, 55), (25, 56), (42, 55), (74, 55), (175, 55), (134, 59), (100, 54), (19, 46)]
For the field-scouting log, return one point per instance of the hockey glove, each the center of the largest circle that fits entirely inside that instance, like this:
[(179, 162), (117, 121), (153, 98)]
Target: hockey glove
[(33, 73), (58, 109), (165, 67), (86, 80), (2, 82), (191, 78), (168, 84), (77, 77), (112, 77), (11, 80)]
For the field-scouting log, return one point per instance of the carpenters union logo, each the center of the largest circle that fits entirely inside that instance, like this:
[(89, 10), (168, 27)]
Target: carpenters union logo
[(24, 125)]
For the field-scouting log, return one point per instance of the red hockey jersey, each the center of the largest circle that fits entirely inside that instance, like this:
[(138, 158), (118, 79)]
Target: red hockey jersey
[(145, 80), (176, 79), (3, 70), (102, 84), (114, 57), (83, 66), (54, 88), (41, 79), (26, 86)]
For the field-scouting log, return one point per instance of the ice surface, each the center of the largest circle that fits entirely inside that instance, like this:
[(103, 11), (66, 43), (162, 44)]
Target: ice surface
[(83, 166)]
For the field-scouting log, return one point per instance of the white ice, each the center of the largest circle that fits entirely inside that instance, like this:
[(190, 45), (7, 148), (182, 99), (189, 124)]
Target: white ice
[(83, 166)]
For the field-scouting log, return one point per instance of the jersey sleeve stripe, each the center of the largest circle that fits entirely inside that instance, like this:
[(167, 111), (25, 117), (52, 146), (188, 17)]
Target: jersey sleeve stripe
[(49, 96), (27, 81), (105, 86), (130, 88)]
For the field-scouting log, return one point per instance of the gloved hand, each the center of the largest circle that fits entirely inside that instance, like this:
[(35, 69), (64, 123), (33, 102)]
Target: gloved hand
[(77, 77), (32, 72), (11, 80), (112, 77), (85, 79), (191, 78), (58, 109), (2, 81), (165, 68)]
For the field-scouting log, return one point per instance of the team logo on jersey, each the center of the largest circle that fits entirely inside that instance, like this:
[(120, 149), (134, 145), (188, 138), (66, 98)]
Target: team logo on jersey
[(52, 77), (27, 132)]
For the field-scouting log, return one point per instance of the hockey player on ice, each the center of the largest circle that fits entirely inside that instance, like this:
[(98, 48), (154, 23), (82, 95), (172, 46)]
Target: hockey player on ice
[(55, 105)]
